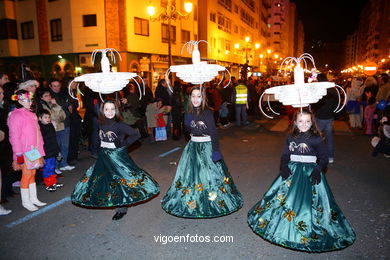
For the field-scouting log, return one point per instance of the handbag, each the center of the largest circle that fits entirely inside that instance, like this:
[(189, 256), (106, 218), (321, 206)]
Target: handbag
[(161, 134), (31, 157)]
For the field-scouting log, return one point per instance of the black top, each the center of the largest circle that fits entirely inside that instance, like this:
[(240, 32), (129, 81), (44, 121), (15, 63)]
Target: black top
[(163, 94), (325, 106), (305, 144), (119, 133), (50, 145), (201, 125)]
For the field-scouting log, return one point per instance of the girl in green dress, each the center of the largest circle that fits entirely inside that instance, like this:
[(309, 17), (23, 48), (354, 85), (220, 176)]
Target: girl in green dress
[(114, 180), (299, 211), (202, 187)]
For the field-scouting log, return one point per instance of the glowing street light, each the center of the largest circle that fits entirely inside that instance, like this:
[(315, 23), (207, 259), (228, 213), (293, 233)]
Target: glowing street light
[(167, 14), (257, 45), (151, 10)]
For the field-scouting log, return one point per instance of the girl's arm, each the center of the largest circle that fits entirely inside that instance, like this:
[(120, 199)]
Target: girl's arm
[(187, 121), (285, 159), (15, 134), (131, 135), (212, 130), (322, 154)]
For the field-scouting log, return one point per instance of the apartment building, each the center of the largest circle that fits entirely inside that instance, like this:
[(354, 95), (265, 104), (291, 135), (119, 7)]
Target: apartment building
[(373, 40), (56, 37)]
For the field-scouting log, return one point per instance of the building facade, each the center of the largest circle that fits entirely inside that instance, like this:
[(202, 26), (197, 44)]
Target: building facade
[(371, 41), (56, 37)]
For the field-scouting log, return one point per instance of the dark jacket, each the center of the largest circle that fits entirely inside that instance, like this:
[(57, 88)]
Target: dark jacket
[(163, 94), (50, 140), (325, 106)]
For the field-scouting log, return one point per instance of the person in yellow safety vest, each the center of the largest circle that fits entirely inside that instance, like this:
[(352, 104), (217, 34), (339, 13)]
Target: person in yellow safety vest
[(240, 98)]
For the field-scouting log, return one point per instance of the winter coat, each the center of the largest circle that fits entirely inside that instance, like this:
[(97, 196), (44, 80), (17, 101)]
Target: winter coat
[(23, 132), (50, 140)]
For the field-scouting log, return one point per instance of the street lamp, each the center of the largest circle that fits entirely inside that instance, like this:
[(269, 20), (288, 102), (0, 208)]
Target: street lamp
[(167, 14), (247, 39), (268, 63)]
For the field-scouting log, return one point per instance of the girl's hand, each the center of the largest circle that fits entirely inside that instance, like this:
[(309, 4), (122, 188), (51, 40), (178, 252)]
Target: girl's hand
[(315, 176), (16, 166)]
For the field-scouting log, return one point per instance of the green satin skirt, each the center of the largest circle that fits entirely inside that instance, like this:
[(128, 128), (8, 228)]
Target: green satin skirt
[(114, 181), (201, 188), (298, 215)]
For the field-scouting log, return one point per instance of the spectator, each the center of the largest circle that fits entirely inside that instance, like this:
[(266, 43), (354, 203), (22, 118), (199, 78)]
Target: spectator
[(62, 98), (163, 93), (6, 152), (75, 127), (51, 150), (240, 99), (3, 79), (131, 110), (384, 88), (24, 134), (353, 102), (177, 108), (324, 116)]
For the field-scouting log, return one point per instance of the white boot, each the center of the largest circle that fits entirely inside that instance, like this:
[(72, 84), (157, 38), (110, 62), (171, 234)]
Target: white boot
[(33, 195), (26, 200)]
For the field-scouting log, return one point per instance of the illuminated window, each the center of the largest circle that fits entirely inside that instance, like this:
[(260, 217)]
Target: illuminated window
[(56, 30), (164, 33), (27, 29), (141, 26)]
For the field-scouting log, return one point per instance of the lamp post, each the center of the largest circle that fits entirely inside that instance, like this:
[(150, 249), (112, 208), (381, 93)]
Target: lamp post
[(247, 39), (169, 13), (268, 61)]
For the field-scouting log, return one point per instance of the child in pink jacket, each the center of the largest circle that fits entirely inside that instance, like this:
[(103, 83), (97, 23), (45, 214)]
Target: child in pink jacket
[(24, 135)]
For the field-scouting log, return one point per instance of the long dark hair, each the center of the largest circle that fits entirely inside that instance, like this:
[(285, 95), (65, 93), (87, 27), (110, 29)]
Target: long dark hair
[(313, 129), (118, 117), (203, 104)]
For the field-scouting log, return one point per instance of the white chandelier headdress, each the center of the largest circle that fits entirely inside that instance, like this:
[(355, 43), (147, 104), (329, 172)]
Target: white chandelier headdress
[(106, 82), (199, 71), (300, 94)]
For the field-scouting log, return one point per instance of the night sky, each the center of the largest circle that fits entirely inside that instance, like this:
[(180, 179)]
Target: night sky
[(329, 20)]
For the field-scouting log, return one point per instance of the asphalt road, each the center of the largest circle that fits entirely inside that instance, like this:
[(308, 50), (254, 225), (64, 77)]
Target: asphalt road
[(61, 230)]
